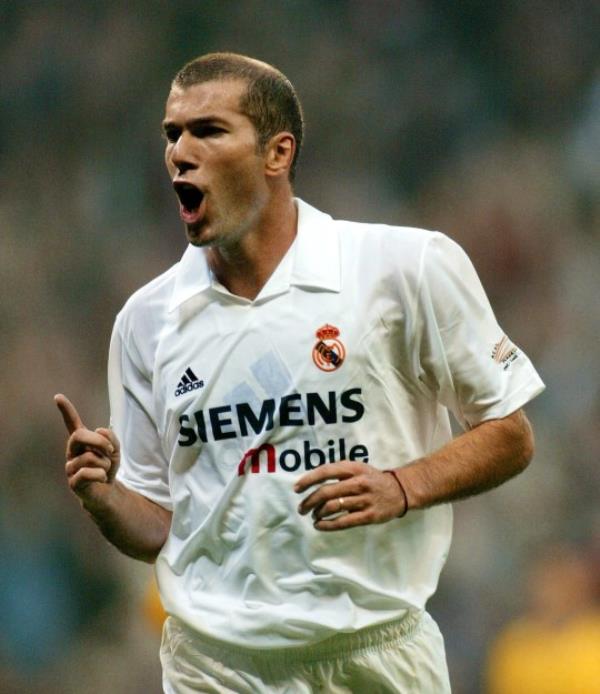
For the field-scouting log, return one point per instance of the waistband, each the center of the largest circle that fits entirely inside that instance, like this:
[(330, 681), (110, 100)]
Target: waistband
[(339, 646)]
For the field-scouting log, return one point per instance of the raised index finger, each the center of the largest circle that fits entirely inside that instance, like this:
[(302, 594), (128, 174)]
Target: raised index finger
[(69, 413)]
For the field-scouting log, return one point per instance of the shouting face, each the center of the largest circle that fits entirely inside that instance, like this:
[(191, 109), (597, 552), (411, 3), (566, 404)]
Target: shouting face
[(214, 162)]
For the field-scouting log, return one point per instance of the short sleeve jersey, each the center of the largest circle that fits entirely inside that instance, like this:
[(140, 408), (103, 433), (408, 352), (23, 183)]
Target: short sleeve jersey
[(357, 348)]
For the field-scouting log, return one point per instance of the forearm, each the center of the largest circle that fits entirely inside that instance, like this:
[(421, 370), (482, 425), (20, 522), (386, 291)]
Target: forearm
[(132, 523), (474, 462)]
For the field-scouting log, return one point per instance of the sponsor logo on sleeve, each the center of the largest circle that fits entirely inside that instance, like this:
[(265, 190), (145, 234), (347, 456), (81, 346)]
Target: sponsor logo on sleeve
[(505, 352)]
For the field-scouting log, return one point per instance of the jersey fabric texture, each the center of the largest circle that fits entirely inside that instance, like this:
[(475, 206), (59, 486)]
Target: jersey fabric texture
[(358, 346)]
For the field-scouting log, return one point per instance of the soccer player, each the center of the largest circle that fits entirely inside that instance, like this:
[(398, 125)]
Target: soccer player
[(280, 443)]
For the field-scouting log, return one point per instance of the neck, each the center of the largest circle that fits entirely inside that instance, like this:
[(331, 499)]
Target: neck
[(244, 267)]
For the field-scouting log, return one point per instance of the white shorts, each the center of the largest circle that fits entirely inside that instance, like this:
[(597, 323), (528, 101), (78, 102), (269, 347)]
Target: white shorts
[(406, 657)]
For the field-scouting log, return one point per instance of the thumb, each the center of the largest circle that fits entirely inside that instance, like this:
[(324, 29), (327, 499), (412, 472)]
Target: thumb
[(115, 454), (111, 436), (69, 413)]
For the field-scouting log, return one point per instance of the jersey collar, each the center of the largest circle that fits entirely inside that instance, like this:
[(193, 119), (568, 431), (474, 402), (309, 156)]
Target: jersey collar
[(316, 260)]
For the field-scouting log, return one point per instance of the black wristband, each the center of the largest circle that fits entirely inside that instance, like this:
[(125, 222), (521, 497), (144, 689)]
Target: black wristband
[(395, 476)]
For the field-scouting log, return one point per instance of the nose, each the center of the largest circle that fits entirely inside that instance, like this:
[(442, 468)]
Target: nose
[(181, 156)]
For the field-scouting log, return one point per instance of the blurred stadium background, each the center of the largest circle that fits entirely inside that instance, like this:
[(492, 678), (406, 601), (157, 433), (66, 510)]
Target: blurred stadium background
[(480, 119)]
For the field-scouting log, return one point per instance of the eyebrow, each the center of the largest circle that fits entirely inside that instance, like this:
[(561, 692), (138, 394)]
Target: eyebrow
[(194, 122)]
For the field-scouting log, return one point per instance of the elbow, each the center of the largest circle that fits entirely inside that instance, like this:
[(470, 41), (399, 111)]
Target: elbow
[(151, 555), (528, 448), (141, 552), (148, 554), (156, 540), (524, 441)]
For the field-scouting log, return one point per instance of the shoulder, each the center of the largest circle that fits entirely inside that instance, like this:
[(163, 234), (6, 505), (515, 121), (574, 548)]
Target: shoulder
[(385, 248), (379, 244), (385, 237), (146, 307)]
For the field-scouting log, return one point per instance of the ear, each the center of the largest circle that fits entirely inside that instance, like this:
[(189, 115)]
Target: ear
[(279, 154)]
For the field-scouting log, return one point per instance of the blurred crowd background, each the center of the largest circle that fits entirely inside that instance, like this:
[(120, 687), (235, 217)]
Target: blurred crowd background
[(476, 118)]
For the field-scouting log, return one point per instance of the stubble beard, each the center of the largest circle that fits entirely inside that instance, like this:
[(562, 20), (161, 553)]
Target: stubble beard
[(226, 234), (226, 241)]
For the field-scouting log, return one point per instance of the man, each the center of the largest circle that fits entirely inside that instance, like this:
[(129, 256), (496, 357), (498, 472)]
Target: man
[(290, 377)]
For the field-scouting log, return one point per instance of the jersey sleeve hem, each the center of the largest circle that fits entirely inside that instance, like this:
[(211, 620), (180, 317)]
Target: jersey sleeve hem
[(142, 490), (513, 402)]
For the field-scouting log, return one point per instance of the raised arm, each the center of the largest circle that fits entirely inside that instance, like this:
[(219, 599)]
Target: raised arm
[(474, 462), (135, 525)]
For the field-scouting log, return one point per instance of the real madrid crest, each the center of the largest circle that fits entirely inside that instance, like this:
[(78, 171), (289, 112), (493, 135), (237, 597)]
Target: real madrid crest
[(328, 353)]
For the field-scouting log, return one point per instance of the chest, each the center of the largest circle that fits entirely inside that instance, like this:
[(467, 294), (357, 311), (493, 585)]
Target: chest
[(307, 349)]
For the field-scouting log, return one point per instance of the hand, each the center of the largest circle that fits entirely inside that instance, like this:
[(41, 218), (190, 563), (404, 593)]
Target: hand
[(364, 495), (92, 456)]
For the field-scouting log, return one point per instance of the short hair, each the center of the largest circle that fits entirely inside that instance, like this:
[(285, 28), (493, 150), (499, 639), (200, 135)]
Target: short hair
[(270, 101)]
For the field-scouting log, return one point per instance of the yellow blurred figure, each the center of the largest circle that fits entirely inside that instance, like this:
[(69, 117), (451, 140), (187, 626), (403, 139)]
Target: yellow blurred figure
[(152, 607), (555, 647)]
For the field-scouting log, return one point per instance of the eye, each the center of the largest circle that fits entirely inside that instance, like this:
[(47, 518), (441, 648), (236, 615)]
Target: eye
[(207, 130), (171, 134)]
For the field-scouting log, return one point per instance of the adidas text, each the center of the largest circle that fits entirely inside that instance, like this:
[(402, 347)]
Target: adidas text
[(190, 386)]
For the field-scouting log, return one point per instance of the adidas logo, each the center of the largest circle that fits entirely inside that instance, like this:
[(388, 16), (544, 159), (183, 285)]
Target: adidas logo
[(189, 381)]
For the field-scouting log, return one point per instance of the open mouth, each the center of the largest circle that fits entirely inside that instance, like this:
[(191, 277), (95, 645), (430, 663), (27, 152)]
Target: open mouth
[(189, 196)]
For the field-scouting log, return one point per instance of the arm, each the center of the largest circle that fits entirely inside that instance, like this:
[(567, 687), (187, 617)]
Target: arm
[(474, 462), (454, 345), (135, 525)]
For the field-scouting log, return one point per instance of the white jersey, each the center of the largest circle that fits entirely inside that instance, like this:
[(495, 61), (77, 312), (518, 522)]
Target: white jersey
[(362, 340)]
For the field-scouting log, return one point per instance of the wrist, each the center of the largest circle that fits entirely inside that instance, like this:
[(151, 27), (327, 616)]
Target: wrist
[(97, 498), (394, 474)]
